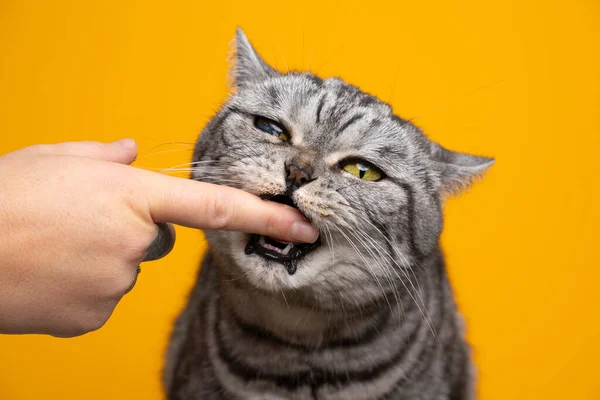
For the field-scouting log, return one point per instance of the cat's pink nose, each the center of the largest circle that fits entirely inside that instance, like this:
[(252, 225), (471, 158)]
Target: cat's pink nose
[(296, 175)]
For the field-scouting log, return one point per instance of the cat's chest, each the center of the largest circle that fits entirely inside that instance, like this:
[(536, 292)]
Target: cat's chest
[(251, 362)]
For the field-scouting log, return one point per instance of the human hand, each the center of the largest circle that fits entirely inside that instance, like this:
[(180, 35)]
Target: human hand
[(76, 221)]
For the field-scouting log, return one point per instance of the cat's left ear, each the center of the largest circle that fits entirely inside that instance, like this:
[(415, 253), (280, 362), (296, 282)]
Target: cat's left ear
[(247, 65), (457, 170)]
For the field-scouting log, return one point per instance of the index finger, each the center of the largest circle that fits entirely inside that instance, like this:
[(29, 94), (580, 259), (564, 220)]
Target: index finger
[(207, 206)]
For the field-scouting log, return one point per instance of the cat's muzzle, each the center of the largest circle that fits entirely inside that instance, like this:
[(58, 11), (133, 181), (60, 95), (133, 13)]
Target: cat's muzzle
[(286, 253)]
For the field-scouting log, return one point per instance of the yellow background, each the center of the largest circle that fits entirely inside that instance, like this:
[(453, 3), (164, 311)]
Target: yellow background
[(512, 79)]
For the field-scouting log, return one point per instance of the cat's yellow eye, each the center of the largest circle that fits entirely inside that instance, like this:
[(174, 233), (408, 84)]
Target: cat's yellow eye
[(272, 128), (362, 170)]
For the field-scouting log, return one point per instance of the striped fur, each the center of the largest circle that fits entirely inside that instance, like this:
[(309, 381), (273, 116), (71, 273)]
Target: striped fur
[(218, 354), (368, 315)]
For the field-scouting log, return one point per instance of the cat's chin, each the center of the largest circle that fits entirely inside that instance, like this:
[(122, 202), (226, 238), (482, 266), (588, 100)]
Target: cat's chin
[(265, 274)]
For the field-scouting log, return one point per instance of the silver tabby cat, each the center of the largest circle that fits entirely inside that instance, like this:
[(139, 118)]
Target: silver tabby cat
[(367, 311)]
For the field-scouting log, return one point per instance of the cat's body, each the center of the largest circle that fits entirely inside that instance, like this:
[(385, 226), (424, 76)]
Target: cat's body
[(365, 313)]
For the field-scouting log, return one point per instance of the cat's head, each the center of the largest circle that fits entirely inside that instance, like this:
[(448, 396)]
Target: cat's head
[(371, 182)]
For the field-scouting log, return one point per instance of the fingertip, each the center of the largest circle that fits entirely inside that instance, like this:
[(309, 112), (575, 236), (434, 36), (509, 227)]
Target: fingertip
[(127, 143), (303, 231), (128, 150)]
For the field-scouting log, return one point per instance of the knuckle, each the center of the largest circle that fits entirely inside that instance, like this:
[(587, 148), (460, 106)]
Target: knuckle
[(96, 321), (219, 212), (138, 248), (89, 321), (135, 247), (124, 283), (271, 226), (95, 148)]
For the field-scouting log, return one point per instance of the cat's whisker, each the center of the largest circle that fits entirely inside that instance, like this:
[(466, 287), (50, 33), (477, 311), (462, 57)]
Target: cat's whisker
[(239, 276), (329, 241), (189, 164), (210, 170), (165, 151), (174, 167), (392, 281), (304, 318), (355, 233), (169, 143), (419, 303), (405, 267), (368, 267), (424, 313)]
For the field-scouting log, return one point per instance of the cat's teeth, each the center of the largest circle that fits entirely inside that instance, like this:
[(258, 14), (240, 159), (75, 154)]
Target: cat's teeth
[(287, 249), (268, 246)]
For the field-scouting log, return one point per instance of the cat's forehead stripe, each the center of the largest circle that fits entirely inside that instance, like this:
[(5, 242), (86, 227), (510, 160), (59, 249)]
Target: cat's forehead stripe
[(330, 113)]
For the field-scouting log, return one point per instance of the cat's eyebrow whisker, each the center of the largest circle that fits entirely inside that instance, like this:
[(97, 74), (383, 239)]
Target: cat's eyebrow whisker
[(394, 84), (287, 68), (337, 49), (310, 57)]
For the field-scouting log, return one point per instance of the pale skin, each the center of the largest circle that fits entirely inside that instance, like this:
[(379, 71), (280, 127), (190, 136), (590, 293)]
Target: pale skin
[(76, 220)]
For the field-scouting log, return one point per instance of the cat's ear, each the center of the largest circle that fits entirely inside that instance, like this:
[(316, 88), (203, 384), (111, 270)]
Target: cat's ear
[(457, 170), (246, 65)]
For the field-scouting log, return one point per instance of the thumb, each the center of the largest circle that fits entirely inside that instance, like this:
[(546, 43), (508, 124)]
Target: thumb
[(123, 151)]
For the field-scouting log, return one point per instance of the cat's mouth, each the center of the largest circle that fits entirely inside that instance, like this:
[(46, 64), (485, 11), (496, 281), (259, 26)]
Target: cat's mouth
[(286, 253)]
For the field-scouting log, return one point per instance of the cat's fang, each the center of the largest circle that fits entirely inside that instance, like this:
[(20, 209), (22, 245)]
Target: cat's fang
[(287, 249), (284, 251)]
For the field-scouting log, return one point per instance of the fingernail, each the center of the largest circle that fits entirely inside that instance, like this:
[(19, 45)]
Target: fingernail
[(303, 232), (126, 143)]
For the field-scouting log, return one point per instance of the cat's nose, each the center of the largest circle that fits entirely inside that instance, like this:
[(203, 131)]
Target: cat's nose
[(297, 175)]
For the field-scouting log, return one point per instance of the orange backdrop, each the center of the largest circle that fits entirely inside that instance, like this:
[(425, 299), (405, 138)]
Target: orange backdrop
[(513, 79)]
